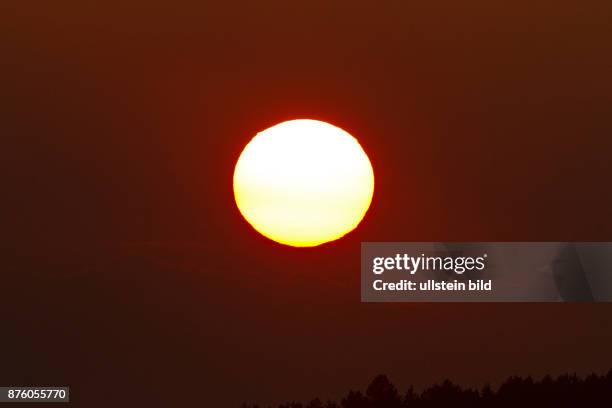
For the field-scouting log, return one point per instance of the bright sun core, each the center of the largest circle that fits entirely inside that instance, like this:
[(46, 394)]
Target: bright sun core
[(303, 182)]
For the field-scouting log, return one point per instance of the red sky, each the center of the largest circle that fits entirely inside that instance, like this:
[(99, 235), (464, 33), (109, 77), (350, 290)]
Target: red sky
[(122, 125)]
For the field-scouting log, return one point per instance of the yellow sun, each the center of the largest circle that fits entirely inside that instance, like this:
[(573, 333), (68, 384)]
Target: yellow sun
[(303, 183)]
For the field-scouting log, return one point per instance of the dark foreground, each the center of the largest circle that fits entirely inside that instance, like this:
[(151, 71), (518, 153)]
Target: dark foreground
[(564, 391)]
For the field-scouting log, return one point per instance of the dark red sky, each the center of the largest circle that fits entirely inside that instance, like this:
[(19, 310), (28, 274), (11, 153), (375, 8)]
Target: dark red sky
[(127, 263)]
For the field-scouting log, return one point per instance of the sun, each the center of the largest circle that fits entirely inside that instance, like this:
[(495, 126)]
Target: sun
[(303, 182)]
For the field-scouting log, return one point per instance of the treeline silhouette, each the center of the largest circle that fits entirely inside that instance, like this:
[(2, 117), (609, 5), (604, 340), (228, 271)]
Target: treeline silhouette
[(567, 390)]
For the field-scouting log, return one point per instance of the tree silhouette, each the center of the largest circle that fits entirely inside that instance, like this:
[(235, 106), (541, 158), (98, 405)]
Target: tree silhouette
[(567, 390), (382, 393), (355, 400), (331, 404), (315, 403), (410, 398)]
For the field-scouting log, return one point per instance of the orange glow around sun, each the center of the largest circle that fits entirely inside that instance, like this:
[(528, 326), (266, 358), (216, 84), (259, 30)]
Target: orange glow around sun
[(303, 183)]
